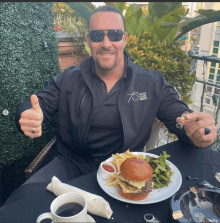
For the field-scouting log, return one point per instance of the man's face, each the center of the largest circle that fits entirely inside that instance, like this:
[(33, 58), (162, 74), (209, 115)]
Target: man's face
[(106, 54)]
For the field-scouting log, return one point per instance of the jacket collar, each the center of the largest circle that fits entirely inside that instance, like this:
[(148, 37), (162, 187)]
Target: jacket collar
[(130, 65), (86, 71)]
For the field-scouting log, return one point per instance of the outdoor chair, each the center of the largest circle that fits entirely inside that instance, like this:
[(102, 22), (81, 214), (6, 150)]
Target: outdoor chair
[(38, 160)]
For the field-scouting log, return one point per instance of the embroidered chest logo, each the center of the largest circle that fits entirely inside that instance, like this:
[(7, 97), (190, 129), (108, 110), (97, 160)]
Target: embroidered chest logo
[(137, 96)]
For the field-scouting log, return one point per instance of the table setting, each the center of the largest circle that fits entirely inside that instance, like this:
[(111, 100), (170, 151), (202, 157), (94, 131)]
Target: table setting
[(195, 185)]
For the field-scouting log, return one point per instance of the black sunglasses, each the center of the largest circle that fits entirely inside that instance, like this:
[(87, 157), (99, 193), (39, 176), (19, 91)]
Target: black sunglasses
[(114, 35)]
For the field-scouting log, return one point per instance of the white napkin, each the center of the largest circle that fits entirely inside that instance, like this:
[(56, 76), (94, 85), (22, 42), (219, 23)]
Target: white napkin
[(95, 204), (217, 176)]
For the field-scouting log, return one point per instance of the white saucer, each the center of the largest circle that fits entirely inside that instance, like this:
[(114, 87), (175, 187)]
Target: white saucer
[(90, 219)]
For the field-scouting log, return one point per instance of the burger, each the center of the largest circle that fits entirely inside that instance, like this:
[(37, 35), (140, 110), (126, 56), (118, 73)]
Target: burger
[(135, 180)]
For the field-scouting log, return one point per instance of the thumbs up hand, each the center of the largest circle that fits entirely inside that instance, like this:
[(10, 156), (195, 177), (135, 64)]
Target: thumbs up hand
[(31, 119)]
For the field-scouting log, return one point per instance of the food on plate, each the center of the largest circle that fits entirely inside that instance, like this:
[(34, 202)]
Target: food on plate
[(162, 171), (135, 180), (118, 159)]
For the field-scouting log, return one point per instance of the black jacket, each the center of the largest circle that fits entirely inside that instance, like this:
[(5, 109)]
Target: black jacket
[(146, 95)]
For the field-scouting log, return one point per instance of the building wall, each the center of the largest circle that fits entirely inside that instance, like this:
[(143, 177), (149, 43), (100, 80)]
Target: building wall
[(70, 54), (208, 41)]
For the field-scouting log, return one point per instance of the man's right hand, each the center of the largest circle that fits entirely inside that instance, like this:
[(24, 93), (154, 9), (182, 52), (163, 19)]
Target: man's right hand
[(32, 119)]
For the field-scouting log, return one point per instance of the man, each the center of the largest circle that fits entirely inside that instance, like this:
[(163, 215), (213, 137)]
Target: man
[(106, 105)]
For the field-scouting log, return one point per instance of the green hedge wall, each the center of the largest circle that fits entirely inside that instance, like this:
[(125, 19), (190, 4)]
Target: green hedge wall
[(28, 60)]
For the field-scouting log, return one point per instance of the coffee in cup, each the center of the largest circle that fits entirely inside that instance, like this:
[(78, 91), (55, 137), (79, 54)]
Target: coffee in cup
[(68, 207)]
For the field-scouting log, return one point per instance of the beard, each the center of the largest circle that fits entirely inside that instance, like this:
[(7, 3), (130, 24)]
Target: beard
[(105, 64)]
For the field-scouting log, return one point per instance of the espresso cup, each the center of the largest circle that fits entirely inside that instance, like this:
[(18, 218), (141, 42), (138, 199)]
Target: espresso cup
[(68, 207)]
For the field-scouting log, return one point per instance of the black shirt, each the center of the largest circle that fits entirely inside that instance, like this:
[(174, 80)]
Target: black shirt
[(106, 131)]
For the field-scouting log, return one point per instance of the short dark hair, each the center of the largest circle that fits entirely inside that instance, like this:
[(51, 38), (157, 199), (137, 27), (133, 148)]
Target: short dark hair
[(107, 8)]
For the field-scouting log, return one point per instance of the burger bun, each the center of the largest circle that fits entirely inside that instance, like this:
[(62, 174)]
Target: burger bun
[(136, 169)]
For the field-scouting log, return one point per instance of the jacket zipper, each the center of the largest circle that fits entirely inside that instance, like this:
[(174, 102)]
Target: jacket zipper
[(119, 108), (83, 97), (84, 134), (122, 121)]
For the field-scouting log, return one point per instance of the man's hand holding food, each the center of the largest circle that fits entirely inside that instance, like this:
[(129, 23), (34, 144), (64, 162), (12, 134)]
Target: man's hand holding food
[(200, 128), (31, 119)]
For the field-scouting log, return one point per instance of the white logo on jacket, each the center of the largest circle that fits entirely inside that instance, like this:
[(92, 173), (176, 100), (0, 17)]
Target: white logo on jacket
[(137, 96)]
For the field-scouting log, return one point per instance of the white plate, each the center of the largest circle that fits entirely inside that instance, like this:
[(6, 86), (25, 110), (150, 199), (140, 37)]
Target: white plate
[(156, 195)]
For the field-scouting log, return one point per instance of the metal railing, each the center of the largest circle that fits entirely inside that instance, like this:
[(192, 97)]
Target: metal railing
[(206, 59), (216, 144), (216, 113)]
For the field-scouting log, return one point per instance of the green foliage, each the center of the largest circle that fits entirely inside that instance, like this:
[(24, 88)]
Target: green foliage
[(119, 5), (87, 49), (137, 21), (169, 32), (82, 8), (187, 24), (70, 21), (134, 18), (166, 57), (159, 9), (26, 65)]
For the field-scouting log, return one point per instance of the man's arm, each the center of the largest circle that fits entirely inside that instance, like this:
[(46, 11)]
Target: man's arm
[(171, 108), (48, 99)]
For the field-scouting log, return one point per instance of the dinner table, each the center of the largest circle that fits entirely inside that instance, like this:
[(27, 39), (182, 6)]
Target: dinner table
[(31, 200)]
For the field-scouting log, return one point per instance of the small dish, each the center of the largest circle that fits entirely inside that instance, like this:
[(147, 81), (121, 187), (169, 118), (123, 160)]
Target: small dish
[(105, 174)]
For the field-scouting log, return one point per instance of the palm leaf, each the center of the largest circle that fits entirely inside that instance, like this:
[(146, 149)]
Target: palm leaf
[(159, 9), (111, 3), (144, 24), (168, 24), (205, 17), (171, 36), (164, 33), (132, 17), (119, 5), (82, 8)]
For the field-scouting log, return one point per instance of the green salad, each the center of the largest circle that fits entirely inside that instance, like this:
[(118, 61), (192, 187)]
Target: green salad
[(162, 171)]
